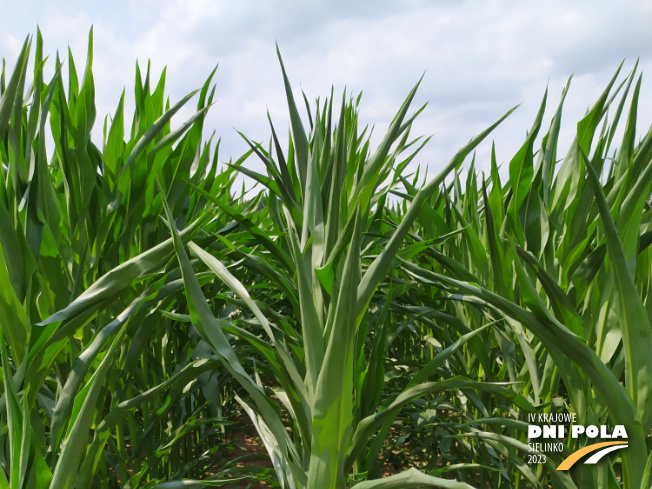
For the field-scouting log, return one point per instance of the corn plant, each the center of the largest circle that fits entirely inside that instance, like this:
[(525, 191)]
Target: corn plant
[(324, 198), (355, 313), (86, 339), (562, 256)]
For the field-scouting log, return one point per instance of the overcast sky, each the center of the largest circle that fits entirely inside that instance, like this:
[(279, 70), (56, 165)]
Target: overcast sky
[(480, 58)]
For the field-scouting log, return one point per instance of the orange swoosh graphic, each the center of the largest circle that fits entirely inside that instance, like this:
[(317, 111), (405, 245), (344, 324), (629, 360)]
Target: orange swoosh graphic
[(575, 456)]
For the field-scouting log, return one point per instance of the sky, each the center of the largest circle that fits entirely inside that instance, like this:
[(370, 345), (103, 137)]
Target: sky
[(480, 58)]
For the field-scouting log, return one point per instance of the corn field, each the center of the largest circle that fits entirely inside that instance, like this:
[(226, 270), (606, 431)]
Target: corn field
[(365, 324)]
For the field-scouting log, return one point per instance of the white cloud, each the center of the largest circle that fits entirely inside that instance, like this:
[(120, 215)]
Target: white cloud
[(480, 58)]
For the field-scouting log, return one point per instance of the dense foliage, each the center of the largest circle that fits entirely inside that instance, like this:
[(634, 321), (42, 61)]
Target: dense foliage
[(361, 319)]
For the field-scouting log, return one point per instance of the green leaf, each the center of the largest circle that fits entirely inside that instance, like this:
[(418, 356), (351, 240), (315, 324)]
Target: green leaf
[(411, 478)]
